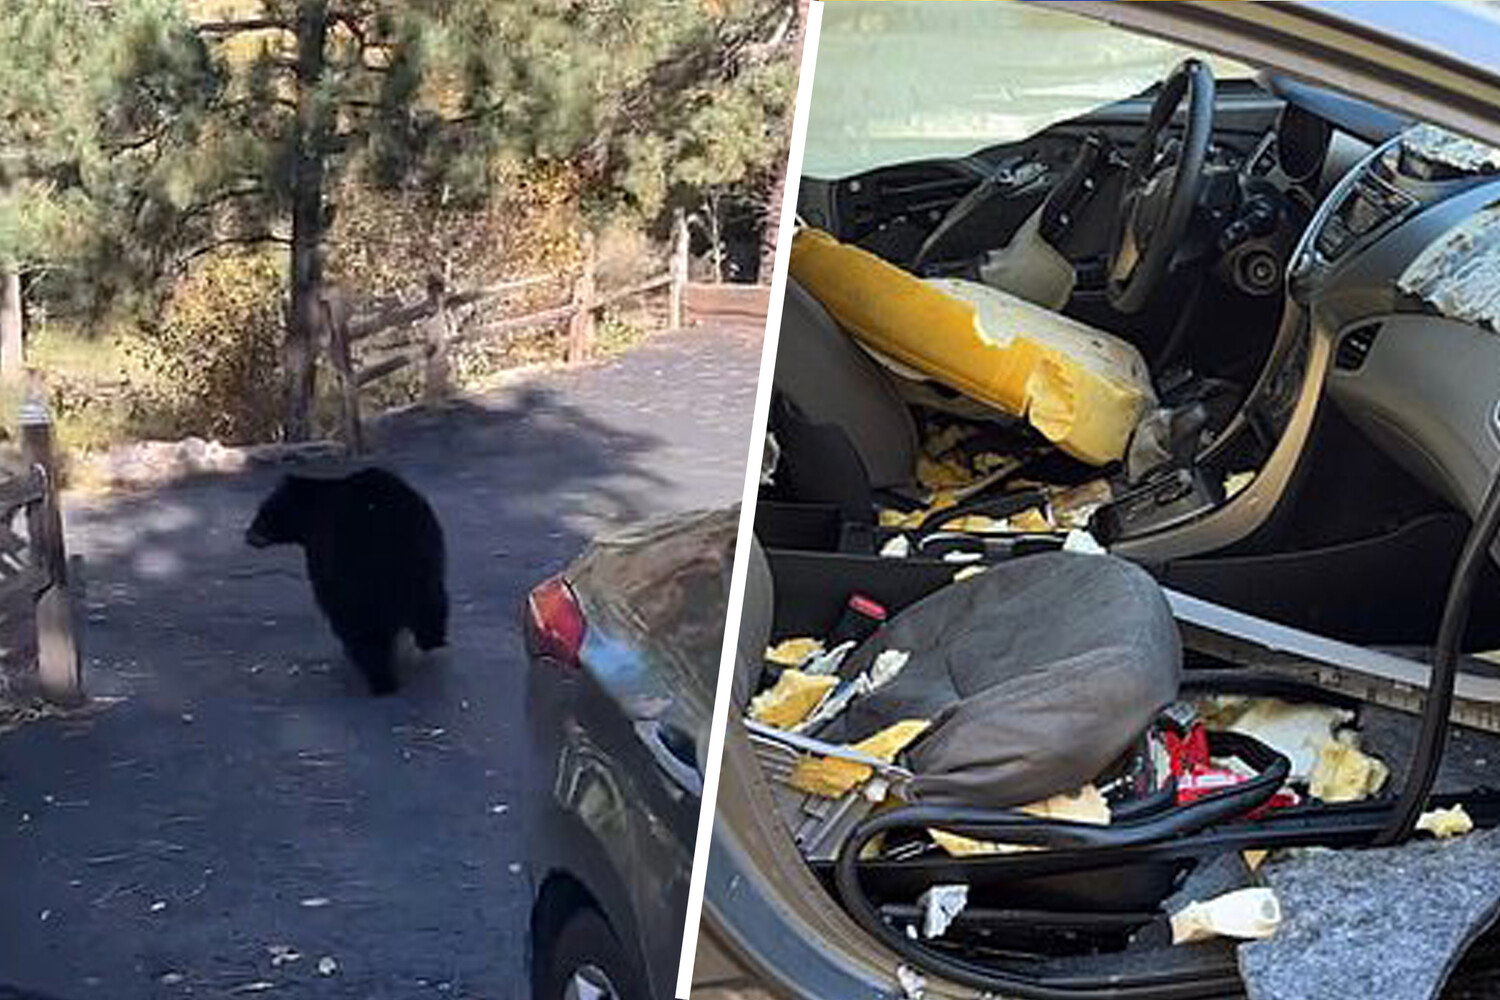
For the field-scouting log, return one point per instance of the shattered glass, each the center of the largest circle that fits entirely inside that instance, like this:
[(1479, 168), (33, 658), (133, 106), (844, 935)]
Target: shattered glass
[(1450, 149), (1459, 272)]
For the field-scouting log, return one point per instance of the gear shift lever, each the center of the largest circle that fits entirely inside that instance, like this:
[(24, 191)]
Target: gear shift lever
[(1166, 438)]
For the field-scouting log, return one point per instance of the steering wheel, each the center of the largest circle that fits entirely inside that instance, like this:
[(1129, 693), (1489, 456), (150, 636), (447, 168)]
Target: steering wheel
[(1161, 188)]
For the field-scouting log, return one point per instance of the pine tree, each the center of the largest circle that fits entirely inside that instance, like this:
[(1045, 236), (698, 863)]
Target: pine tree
[(639, 93), (92, 99), (188, 129), (46, 134)]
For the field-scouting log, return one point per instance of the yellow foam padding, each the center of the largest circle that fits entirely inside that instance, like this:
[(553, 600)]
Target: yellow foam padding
[(959, 846), (1031, 521), (977, 524), (791, 698), (898, 519), (793, 652), (943, 473), (831, 777), (1444, 823), (1083, 389), (1087, 805), (1344, 772)]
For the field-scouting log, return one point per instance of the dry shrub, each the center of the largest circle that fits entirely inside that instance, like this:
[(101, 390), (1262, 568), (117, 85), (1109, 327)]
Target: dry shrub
[(211, 366), (385, 243), (626, 256)]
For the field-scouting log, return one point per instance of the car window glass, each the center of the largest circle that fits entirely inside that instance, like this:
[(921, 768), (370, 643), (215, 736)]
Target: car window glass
[(958, 77)]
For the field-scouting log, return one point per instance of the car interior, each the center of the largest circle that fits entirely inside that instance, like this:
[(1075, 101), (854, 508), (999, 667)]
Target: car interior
[(1229, 438)]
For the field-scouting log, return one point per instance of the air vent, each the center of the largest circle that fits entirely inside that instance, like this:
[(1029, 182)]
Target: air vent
[(1355, 346)]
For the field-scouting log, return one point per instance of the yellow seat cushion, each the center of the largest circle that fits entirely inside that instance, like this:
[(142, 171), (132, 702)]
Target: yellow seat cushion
[(1082, 388)]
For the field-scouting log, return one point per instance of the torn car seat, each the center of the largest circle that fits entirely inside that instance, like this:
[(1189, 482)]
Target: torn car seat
[(1082, 388), (1037, 674), (832, 382)]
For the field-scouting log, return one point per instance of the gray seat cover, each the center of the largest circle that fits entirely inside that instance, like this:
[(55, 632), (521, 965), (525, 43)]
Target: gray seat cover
[(1036, 674), (833, 382), (755, 628)]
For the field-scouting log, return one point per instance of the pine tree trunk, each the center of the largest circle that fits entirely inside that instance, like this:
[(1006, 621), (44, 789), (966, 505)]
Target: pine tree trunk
[(771, 232), (12, 324), (300, 351)]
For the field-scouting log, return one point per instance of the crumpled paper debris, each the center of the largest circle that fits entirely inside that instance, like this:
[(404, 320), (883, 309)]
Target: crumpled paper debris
[(913, 983), (1080, 540), (888, 663), (886, 666), (770, 458), (828, 661), (896, 548)]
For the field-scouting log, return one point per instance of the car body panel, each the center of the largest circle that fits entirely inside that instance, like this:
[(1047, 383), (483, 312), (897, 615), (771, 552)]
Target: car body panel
[(616, 741)]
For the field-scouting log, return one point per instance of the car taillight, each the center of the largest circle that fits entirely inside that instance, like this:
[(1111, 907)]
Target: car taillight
[(555, 622)]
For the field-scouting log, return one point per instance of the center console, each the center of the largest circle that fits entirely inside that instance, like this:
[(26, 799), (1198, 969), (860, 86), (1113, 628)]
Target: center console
[(1396, 181), (1371, 205)]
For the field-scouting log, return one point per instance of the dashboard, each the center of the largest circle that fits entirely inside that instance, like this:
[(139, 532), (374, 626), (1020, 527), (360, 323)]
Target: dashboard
[(1395, 283), (1389, 273)]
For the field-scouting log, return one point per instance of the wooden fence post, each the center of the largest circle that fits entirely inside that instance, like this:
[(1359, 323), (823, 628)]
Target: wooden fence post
[(581, 326), (343, 364), (58, 667), (679, 268), (435, 379)]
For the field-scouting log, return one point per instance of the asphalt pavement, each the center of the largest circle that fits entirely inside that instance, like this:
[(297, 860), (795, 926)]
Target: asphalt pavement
[(235, 817)]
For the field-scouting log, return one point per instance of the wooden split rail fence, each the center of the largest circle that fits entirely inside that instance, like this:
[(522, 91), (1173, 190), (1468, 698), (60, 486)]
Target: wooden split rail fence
[(35, 594), (579, 311)]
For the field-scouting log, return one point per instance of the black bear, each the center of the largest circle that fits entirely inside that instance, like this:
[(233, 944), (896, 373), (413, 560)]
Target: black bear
[(376, 559)]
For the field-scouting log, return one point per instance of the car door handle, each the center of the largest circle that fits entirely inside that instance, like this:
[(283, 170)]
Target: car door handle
[(659, 739)]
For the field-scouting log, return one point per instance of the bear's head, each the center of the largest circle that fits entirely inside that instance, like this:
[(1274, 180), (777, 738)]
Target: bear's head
[(282, 517)]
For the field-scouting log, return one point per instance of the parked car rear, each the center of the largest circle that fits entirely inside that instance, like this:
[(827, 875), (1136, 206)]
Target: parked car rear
[(624, 649)]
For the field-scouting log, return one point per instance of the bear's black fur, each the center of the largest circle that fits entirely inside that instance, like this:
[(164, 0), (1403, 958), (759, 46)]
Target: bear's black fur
[(376, 559)]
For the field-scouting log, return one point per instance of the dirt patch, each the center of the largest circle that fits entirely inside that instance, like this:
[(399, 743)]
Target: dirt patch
[(153, 464)]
